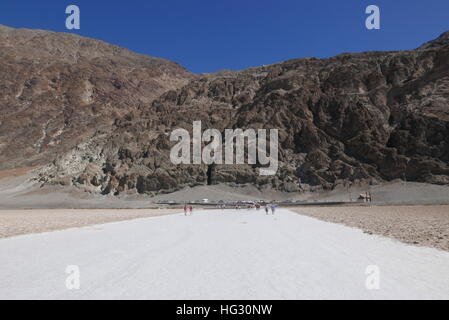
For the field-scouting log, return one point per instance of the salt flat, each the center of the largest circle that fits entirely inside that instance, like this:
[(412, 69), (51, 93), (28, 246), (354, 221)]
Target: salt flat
[(219, 255)]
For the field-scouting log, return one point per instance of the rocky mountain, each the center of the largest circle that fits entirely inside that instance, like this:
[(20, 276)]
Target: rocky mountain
[(105, 116), (58, 89), (441, 41)]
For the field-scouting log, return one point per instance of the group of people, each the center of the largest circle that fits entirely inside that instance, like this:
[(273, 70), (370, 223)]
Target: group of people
[(188, 209), (269, 207)]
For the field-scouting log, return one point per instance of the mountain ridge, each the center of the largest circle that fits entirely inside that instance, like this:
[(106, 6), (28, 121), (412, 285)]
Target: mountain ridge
[(353, 118), (441, 41), (59, 88)]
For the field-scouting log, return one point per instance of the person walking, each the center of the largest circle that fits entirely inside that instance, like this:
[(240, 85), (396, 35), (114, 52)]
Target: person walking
[(185, 209), (266, 209), (191, 210), (273, 208)]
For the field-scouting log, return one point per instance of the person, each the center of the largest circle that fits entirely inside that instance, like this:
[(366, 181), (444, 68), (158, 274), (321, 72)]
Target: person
[(273, 208), (185, 209), (191, 209), (266, 208)]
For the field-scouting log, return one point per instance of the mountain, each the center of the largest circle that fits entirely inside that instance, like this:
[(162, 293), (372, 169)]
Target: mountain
[(441, 41), (101, 118), (59, 89)]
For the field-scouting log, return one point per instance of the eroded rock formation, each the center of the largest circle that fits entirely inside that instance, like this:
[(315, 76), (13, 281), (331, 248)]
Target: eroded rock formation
[(104, 116)]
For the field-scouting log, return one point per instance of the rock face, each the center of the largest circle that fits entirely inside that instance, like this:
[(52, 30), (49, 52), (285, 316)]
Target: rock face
[(366, 117), (58, 89)]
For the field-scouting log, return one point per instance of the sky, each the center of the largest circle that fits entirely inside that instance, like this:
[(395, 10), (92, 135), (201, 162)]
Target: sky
[(211, 35)]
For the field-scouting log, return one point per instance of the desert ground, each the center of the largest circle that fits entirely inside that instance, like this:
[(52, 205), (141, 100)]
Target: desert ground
[(417, 225), (426, 226), (219, 254), (17, 222), (413, 213), (142, 252)]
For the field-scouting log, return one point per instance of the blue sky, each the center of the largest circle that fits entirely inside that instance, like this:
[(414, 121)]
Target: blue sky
[(210, 35)]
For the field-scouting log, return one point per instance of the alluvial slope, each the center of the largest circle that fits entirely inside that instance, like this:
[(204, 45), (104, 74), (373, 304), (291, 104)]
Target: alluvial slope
[(59, 89), (365, 117)]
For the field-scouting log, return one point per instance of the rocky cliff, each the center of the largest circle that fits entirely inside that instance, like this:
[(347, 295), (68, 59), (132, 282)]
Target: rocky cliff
[(367, 117)]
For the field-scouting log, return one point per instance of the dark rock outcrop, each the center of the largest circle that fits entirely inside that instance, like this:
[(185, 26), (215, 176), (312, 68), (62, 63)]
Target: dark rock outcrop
[(367, 117)]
